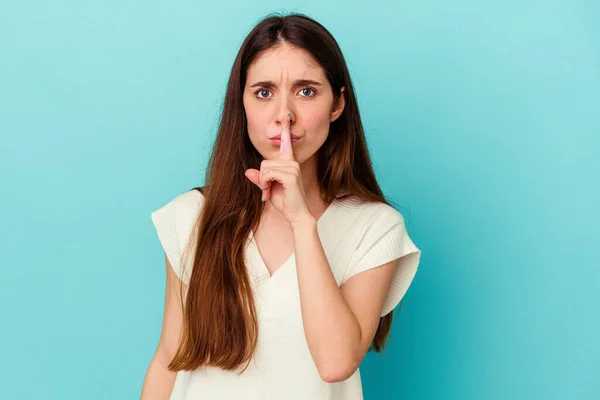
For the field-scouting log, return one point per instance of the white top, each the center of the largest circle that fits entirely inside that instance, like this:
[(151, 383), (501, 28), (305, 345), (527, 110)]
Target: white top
[(355, 237)]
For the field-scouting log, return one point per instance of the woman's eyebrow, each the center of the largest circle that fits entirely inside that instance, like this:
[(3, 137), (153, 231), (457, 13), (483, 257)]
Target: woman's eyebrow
[(298, 82)]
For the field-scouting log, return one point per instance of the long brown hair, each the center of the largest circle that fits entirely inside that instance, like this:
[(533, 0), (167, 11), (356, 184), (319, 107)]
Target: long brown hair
[(220, 322)]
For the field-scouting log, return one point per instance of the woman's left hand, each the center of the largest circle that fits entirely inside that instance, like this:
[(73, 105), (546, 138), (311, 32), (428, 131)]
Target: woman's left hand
[(281, 180)]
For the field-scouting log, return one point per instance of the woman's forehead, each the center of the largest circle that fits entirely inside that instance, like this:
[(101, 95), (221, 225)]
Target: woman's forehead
[(284, 62)]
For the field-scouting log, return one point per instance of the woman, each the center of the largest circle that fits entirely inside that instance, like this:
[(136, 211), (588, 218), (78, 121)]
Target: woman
[(282, 272)]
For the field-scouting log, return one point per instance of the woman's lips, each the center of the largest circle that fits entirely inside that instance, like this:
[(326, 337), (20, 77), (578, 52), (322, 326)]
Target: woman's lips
[(279, 136), (276, 141)]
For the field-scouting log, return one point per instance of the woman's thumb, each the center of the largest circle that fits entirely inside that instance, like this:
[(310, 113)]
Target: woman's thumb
[(253, 175)]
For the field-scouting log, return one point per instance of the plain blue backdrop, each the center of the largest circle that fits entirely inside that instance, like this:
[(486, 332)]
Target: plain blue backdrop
[(482, 118)]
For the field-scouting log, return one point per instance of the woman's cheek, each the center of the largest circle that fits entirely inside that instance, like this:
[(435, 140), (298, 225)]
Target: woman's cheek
[(316, 119)]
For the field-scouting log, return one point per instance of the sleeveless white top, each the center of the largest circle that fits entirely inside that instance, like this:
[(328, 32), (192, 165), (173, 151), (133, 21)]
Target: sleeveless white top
[(355, 236)]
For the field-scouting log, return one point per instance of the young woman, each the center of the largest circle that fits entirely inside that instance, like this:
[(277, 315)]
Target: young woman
[(283, 270)]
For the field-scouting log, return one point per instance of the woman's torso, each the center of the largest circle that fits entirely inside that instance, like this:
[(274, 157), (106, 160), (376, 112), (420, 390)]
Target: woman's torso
[(282, 366)]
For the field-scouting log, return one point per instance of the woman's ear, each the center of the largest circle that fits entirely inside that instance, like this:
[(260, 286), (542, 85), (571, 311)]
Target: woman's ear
[(338, 105)]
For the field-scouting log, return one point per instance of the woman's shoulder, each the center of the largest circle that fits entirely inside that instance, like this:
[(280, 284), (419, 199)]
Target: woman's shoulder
[(174, 223), (181, 210), (186, 203), (366, 213), (192, 196)]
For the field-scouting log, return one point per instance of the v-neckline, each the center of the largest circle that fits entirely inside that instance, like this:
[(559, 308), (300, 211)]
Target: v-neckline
[(263, 267)]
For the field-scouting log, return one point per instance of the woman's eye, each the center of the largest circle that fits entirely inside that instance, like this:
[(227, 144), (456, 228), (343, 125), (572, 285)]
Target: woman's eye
[(262, 91), (304, 91)]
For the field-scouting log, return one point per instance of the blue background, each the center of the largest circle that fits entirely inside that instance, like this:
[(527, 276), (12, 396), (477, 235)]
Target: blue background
[(483, 123)]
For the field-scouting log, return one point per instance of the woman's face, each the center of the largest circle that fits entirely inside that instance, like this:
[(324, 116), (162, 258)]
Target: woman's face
[(286, 80)]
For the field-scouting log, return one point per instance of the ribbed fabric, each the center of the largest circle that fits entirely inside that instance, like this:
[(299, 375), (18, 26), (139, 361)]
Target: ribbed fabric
[(355, 236), (385, 239), (174, 222), (164, 221)]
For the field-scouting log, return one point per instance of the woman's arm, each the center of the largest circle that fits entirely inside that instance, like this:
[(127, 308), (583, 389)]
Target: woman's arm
[(159, 381), (339, 323)]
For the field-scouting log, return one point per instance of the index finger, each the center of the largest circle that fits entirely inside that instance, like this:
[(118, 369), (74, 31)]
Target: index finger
[(286, 151)]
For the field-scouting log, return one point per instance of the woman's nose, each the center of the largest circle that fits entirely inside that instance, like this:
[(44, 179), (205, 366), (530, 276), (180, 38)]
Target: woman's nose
[(286, 115)]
